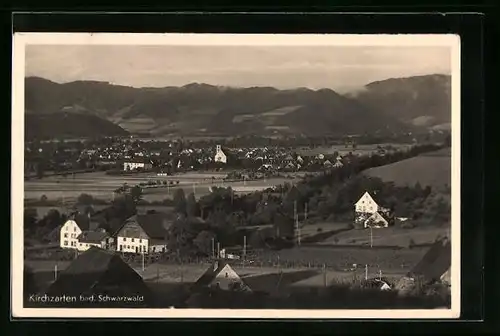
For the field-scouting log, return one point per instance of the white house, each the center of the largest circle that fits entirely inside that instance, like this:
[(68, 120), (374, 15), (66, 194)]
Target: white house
[(143, 234), (137, 164), (74, 226), (366, 204), (87, 239), (221, 275), (338, 163), (369, 213), (219, 155)]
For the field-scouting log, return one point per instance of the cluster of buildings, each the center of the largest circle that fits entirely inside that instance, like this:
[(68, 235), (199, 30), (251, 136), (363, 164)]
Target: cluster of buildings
[(139, 234)]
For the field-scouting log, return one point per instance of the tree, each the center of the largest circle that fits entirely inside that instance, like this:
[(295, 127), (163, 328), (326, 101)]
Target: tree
[(180, 201), (191, 206), (40, 171), (136, 193), (203, 241), (30, 218), (85, 199)]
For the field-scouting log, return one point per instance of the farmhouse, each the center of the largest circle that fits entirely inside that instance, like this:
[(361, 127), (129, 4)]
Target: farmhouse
[(221, 276), (435, 264), (220, 156), (143, 233), (370, 214), (71, 230), (137, 164), (87, 239), (100, 272)]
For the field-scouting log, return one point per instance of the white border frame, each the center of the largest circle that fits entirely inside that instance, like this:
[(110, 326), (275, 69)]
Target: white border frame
[(20, 40)]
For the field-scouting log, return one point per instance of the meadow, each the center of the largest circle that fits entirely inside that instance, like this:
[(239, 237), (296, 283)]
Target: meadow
[(343, 150), (430, 169), (101, 186)]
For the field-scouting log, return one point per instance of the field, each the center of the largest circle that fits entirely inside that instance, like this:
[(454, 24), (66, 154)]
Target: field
[(43, 210), (342, 150), (392, 236), (101, 186), (431, 169), (258, 277)]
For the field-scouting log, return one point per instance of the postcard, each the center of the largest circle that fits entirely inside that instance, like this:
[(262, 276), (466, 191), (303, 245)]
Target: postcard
[(235, 176)]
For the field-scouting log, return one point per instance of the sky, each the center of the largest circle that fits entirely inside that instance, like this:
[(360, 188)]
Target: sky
[(283, 67)]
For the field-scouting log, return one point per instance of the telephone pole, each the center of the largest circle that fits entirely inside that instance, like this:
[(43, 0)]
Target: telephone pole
[(55, 272), (366, 272), (305, 211), (324, 275), (244, 247), (371, 237), (296, 219), (213, 248), (218, 250)]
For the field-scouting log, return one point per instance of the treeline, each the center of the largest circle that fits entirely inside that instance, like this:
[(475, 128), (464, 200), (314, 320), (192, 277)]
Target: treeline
[(226, 217)]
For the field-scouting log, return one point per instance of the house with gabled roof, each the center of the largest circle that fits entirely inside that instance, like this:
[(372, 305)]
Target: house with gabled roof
[(73, 227), (435, 265), (101, 272), (220, 275), (143, 234), (87, 239), (370, 213)]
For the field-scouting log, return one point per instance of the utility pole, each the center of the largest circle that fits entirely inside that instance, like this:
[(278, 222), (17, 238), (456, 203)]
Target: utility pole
[(218, 250), (296, 219), (324, 275), (366, 272), (55, 272), (194, 188), (371, 237), (143, 261), (305, 211), (213, 247), (244, 247), (380, 275)]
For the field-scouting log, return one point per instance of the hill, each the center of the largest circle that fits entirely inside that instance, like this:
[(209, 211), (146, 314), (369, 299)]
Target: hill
[(430, 169), (69, 125), (201, 109), (419, 101)]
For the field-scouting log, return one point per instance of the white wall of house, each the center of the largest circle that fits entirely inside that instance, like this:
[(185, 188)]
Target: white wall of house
[(85, 246), (219, 155), (135, 165), (366, 204), (226, 277), (69, 234), (132, 245), (157, 248), (378, 220)]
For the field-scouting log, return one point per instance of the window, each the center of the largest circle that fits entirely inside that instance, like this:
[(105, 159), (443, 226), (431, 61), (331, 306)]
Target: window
[(132, 240), (226, 275), (74, 229), (65, 243), (140, 240), (65, 235), (128, 246), (124, 239), (121, 247), (81, 244)]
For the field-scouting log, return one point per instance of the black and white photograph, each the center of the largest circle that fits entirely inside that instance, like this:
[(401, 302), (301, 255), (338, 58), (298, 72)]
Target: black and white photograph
[(221, 176)]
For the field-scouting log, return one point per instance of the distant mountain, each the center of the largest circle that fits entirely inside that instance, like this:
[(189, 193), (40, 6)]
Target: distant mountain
[(201, 109), (69, 125), (423, 101)]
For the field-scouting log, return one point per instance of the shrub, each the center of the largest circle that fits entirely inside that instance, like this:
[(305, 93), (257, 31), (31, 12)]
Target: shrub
[(319, 230)]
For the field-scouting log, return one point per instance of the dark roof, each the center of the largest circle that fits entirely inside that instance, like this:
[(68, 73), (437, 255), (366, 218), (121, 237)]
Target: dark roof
[(82, 220), (211, 273), (435, 262), (96, 268), (154, 224), (94, 237)]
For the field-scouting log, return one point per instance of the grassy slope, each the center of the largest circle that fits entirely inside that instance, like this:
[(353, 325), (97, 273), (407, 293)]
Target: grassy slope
[(433, 169)]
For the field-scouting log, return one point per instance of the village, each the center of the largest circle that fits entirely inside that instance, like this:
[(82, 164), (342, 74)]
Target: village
[(144, 240)]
